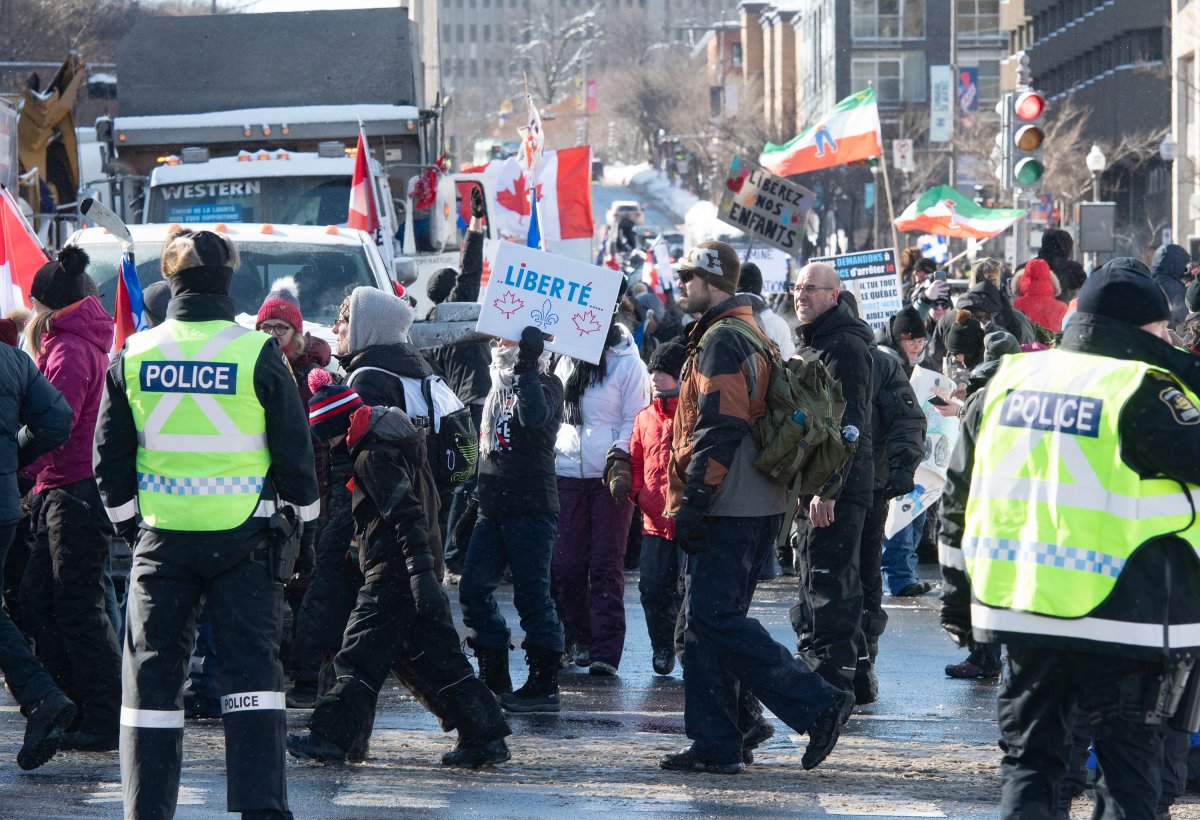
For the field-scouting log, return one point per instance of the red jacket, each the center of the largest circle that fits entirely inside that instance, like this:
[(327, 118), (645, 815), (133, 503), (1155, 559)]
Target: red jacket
[(649, 459), (1035, 296)]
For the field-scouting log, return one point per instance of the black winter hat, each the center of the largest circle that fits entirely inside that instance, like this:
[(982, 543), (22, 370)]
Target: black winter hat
[(1123, 289), (750, 279), (965, 336), (440, 285), (64, 281), (668, 358), (1191, 296), (716, 263), (155, 298), (907, 324), (331, 405)]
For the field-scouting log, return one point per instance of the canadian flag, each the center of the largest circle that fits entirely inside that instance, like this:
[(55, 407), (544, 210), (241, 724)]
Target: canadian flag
[(20, 254), (363, 214), (564, 198)]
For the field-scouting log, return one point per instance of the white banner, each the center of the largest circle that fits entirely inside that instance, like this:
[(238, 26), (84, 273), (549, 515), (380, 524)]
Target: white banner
[(775, 266), (941, 87), (570, 300), (941, 437)]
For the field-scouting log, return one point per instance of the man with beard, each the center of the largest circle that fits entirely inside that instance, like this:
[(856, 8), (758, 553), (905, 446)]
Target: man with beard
[(726, 516)]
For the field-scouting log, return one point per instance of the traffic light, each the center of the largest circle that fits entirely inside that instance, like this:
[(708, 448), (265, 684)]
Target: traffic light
[(1027, 138), (1002, 153)]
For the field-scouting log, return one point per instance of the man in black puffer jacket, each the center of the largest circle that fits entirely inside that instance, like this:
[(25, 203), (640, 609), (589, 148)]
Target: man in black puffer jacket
[(828, 617)]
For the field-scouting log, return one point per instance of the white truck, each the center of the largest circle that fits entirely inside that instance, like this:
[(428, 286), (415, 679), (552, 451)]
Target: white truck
[(228, 118)]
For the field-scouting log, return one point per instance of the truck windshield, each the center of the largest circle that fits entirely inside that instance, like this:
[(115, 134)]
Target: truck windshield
[(301, 200), (325, 273)]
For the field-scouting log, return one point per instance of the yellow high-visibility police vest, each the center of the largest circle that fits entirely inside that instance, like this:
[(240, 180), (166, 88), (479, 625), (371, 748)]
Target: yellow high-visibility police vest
[(1053, 512), (202, 456)]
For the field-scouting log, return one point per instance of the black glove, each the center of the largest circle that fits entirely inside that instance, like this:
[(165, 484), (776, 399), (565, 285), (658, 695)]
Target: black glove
[(531, 346), (690, 533), (428, 594), (899, 482), (127, 531), (617, 473), (477, 208)]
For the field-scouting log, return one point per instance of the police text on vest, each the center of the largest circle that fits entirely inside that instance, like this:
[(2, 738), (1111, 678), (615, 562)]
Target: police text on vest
[(1057, 412), (189, 377)]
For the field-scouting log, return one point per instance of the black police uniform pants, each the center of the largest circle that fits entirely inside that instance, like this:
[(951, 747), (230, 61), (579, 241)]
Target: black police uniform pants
[(331, 596), (63, 602), (828, 618), (725, 652), (1037, 695), (171, 571), (386, 633)]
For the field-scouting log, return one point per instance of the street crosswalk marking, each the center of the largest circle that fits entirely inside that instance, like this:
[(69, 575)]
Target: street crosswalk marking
[(382, 794), (877, 806), (110, 792)]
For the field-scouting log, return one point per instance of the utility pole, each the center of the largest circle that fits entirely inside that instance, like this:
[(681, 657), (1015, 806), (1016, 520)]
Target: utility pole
[(953, 92)]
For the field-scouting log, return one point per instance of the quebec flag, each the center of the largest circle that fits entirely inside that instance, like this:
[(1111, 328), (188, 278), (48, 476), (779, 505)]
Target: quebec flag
[(129, 315), (934, 247)]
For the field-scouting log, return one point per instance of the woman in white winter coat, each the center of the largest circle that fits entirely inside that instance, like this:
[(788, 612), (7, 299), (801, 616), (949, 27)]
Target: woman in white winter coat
[(601, 402)]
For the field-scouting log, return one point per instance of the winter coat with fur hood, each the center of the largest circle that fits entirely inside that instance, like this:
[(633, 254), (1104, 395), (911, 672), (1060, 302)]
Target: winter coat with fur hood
[(1035, 288), (608, 410)]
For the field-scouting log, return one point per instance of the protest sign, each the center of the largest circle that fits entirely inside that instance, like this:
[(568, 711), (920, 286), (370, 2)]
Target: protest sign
[(571, 300), (941, 436), (775, 266), (765, 206), (874, 279)]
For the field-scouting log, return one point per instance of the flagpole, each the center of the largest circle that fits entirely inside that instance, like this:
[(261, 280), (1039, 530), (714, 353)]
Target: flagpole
[(887, 191)]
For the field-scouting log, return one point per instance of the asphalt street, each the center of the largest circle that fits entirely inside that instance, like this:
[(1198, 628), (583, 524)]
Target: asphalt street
[(925, 749)]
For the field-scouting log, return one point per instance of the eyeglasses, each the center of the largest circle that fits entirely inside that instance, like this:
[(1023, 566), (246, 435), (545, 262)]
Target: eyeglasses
[(810, 289), (275, 328)]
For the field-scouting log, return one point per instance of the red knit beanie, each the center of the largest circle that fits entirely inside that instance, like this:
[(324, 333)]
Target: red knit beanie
[(282, 304)]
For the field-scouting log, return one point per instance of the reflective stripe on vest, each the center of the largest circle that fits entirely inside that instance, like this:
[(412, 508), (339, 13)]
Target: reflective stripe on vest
[(1054, 512), (202, 458)]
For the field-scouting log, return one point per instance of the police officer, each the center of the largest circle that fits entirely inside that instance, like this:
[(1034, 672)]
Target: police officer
[(1069, 532), (202, 434)]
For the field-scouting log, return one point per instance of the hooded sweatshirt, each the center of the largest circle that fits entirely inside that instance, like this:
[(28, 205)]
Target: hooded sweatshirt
[(1035, 296), (75, 361), (378, 338), (608, 410), (1169, 266)]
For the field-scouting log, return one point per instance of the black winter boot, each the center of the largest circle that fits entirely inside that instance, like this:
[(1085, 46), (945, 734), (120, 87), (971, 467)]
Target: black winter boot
[(471, 754), (540, 692), (493, 668)]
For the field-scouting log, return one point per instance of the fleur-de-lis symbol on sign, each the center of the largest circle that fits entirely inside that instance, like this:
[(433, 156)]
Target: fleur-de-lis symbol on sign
[(543, 317)]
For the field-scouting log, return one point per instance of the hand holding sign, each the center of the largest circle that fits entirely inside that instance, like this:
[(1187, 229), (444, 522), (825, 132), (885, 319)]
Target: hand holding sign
[(531, 287)]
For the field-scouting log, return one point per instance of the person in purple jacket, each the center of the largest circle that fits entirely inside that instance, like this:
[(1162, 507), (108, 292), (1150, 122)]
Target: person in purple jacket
[(62, 591)]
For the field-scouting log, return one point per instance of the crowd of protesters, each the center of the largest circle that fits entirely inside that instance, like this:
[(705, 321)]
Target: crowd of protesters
[(583, 470)]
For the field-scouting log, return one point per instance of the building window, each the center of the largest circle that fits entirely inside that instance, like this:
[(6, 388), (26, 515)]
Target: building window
[(487, 33), (473, 68), (458, 32), (896, 78), (471, 34), (989, 84), (978, 18), (446, 31), (735, 55), (887, 19)]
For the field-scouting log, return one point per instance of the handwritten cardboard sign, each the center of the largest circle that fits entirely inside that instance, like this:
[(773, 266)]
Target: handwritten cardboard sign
[(874, 279), (775, 265), (767, 207), (571, 300)]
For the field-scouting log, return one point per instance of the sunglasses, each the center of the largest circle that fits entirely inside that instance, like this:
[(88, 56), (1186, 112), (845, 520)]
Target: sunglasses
[(685, 276), (275, 328)]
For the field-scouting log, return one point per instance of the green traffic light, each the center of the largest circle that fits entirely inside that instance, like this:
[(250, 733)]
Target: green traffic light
[(1028, 171)]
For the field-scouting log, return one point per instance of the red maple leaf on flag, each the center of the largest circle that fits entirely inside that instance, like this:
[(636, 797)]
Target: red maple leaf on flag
[(516, 199), (586, 322), (508, 304)]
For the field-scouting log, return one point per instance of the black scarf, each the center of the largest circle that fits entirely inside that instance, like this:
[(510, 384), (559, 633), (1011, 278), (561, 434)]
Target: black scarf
[(584, 376)]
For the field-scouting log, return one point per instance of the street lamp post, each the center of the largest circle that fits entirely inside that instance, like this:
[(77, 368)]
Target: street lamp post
[(1096, 163)]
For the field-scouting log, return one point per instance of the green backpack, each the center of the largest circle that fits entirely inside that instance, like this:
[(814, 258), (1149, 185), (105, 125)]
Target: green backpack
[(808, 458)]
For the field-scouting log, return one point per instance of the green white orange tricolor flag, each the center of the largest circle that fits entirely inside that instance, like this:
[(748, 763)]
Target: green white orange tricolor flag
[(943, 211), (848, 133)]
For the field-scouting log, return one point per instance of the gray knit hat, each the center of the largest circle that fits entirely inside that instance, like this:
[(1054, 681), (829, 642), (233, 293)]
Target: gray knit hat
[(377, 318)]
